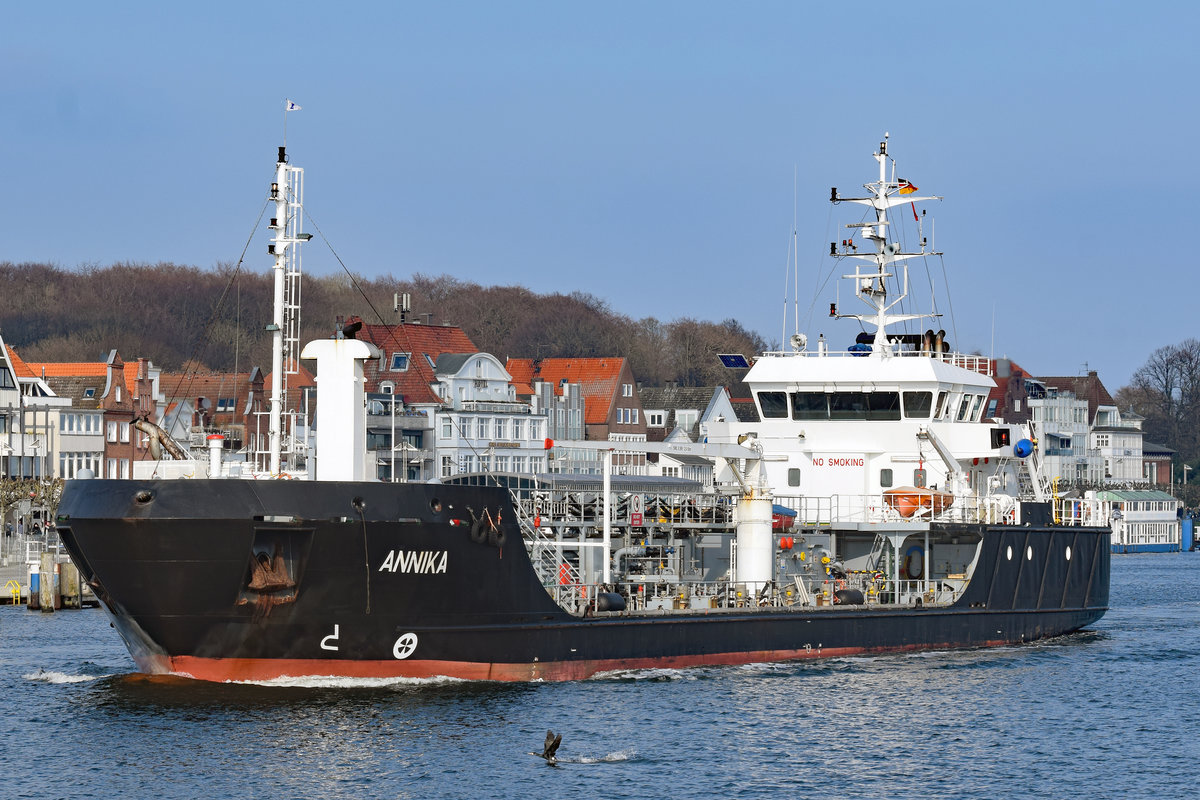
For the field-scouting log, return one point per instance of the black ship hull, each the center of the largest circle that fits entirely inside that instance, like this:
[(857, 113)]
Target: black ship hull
[(256, 580)]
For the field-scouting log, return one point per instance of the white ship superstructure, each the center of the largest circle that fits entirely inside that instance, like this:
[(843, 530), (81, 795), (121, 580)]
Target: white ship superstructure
[(890, 427)]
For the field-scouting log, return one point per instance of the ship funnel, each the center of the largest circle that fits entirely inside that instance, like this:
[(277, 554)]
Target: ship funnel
[(341, 407)]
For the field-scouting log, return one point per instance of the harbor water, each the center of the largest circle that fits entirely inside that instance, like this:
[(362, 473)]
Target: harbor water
[(1112, 711)]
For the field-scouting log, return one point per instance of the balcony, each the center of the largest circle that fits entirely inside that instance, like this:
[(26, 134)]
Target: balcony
[(494, 407)]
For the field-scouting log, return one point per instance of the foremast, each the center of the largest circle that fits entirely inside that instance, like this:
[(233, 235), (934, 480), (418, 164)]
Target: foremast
[(287, 192), (870, 278)]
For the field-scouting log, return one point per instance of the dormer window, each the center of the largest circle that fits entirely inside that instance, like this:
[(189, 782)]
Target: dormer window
[(400, 362), (225, 405), (90, 392), (387, 387)]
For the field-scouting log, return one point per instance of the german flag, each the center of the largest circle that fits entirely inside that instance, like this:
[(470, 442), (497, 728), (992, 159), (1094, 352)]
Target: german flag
[(906, 187)]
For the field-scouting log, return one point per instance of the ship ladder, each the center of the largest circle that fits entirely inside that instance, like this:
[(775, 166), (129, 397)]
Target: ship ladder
[(545, 553), (14, 588), (878, 549)]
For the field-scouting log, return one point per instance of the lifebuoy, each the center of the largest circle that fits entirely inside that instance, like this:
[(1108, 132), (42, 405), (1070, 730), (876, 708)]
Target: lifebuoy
[(914, 562)]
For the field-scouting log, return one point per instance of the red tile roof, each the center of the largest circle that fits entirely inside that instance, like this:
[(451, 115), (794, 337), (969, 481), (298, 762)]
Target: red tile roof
[(70, 369), (213, 386), (599, 380), (19, 366), (424, 344)]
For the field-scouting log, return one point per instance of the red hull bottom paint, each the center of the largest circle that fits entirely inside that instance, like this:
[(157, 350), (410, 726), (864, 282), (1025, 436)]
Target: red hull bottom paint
[(267, 669)]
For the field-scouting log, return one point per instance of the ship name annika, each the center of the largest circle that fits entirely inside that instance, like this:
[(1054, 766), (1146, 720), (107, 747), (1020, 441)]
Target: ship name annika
[(427, 562)]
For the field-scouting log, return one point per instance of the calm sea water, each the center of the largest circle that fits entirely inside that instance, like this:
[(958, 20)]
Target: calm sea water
[(1113, 711)]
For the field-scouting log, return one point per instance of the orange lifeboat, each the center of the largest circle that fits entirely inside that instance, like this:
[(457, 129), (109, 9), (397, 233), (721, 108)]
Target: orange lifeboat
[(910, 501)]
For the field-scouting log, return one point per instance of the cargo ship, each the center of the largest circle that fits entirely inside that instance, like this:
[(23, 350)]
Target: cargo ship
[(235, 576)]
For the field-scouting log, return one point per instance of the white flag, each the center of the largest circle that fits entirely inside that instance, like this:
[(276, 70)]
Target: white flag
[(291, 106)]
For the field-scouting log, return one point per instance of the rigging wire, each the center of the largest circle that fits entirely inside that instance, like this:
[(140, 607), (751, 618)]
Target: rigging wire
[(457, 423), (190, 366)]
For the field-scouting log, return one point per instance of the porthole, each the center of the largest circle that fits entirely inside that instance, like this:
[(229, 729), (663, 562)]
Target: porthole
[(1068, 552), (1009, 552), (1029, 553)]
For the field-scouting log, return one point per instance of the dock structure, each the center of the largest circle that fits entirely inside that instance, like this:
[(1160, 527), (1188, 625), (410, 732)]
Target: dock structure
[(25, 584)]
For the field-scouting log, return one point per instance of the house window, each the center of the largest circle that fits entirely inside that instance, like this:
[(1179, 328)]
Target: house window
[(627, 390), (400, 362), (634, 413), (481, 428), (518, 429), (226, 405), (125, 433), (654, 419), (112, 436), (536, 464), (447, 466), (89, 392), (501, 463), (501, 430), (447, 427), (535, 429), (518, 463)]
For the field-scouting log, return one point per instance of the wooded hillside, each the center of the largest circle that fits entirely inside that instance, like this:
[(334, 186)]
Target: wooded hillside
[(174, 314)]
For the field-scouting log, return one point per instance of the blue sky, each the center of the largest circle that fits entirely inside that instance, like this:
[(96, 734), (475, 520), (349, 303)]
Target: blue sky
[(641, 152)]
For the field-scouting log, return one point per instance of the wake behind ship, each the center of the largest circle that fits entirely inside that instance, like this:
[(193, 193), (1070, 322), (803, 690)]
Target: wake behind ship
[(227, 577)]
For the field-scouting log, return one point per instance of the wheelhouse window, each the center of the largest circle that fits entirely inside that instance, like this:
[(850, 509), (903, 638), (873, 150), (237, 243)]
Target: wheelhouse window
[(810, 405), (917, 405), (963, 407), (976, 408), (773, 405), (940, 412), (883, 405), (848, 405)]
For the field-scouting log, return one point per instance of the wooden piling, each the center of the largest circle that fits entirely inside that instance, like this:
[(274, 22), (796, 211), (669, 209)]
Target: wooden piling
[(68, 580), (47, 592)]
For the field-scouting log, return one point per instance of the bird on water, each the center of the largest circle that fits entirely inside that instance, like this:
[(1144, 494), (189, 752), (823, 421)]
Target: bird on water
[(550, 748)]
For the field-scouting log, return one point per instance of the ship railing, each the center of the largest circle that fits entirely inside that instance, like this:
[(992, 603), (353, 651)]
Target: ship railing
[(662, 592), (555, 507), (873, 509), (1086, 511), (975, 363)]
